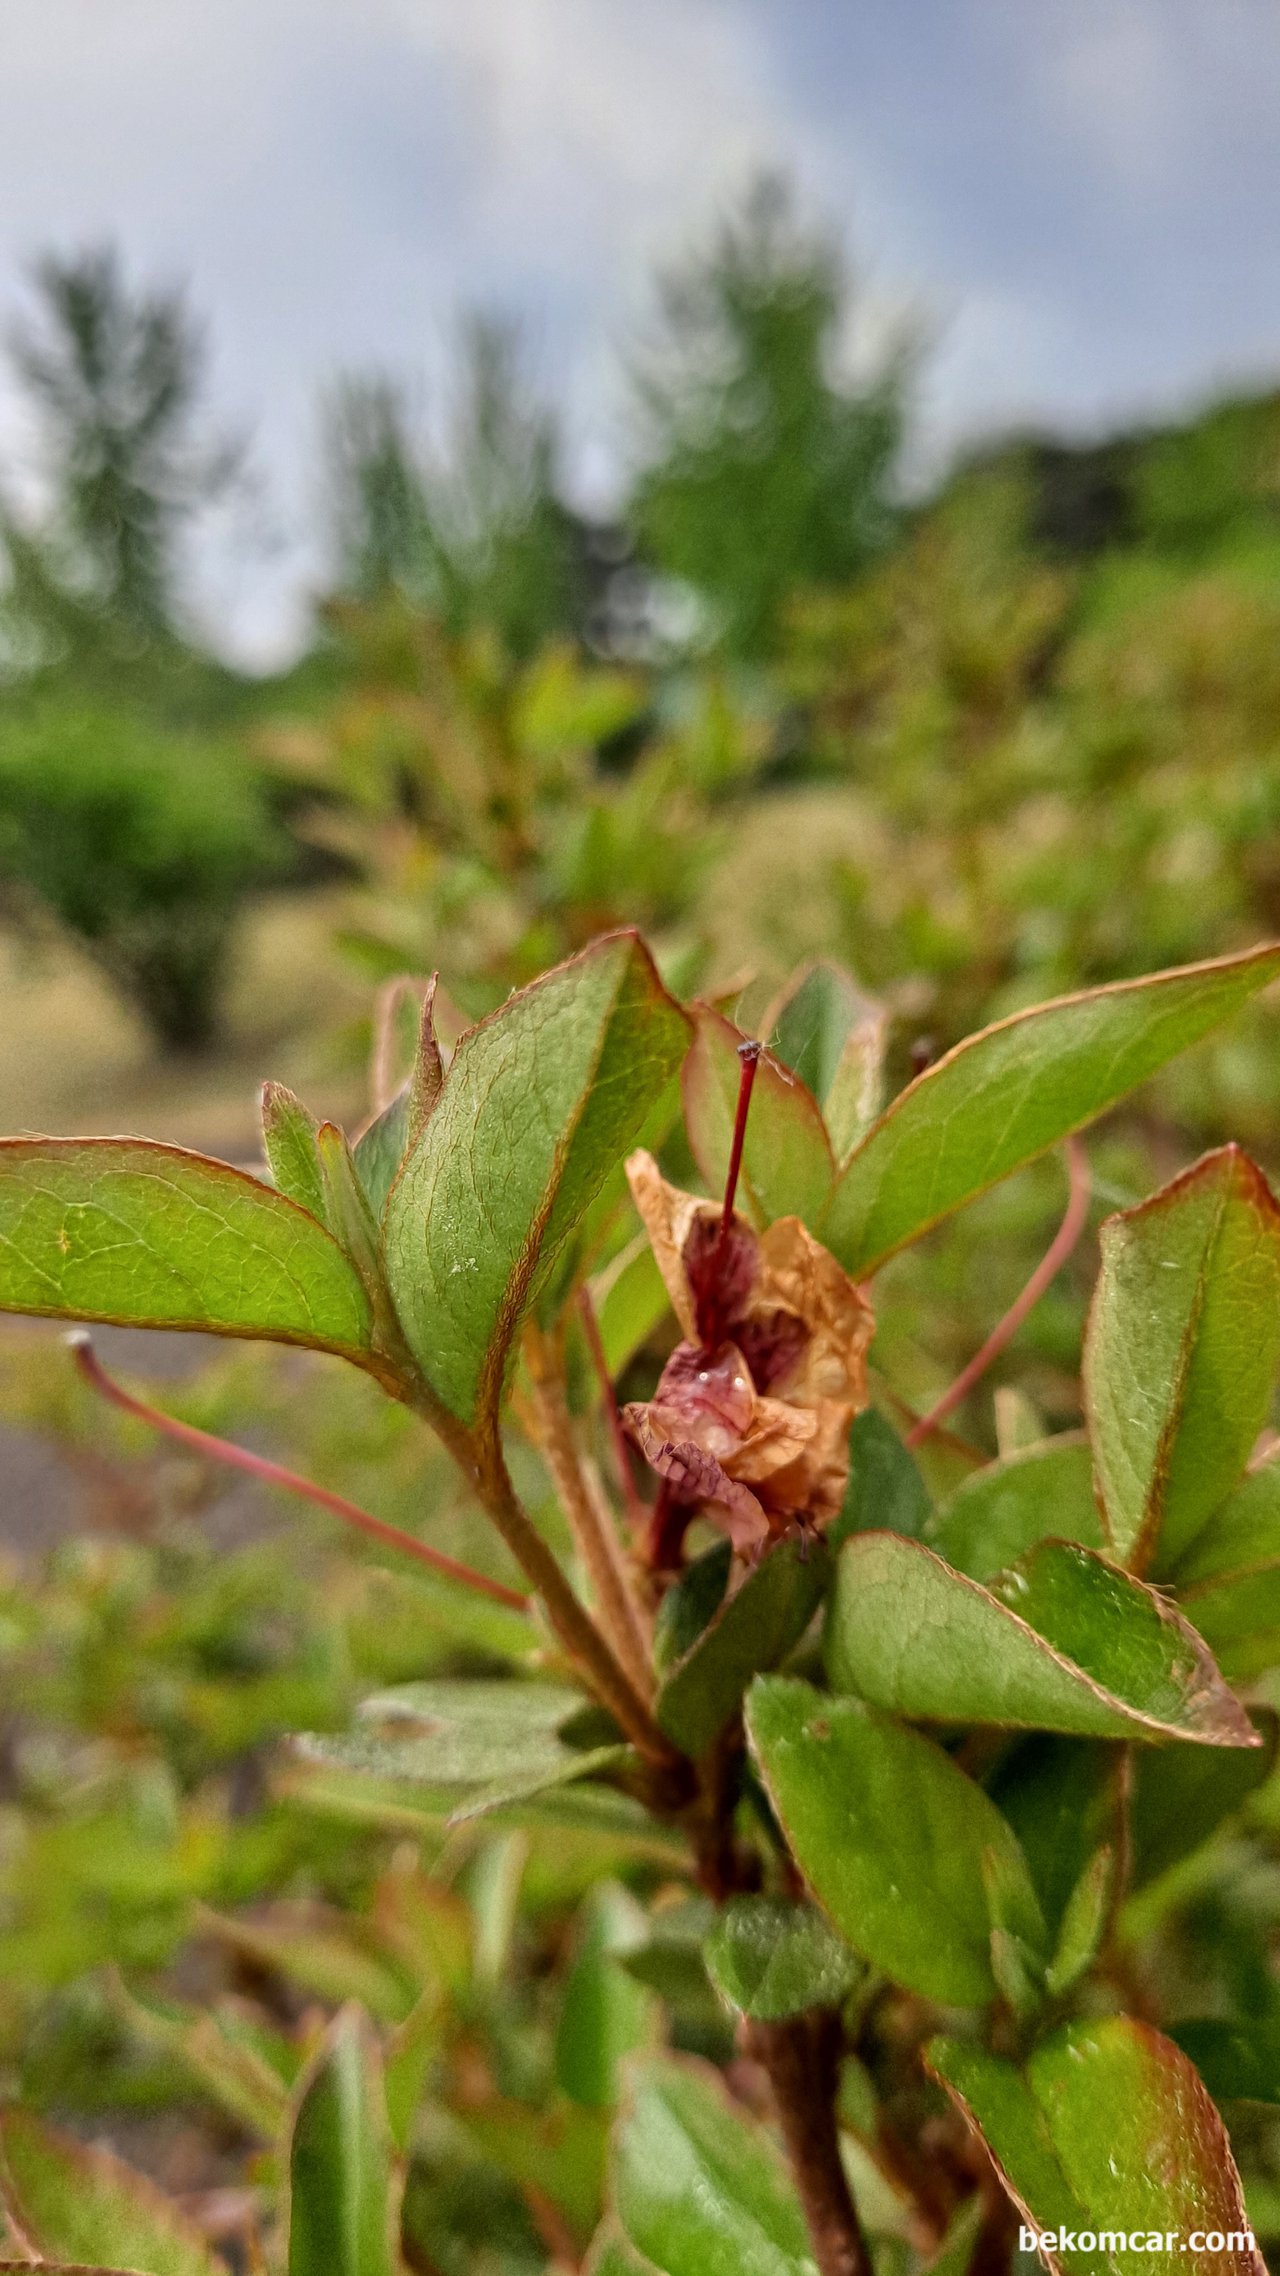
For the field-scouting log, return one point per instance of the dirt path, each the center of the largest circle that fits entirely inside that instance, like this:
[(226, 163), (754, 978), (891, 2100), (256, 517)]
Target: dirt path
[(72, 1060), (51, 1490)]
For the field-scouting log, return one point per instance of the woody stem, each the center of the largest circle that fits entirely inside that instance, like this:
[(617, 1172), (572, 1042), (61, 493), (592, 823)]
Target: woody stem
[(802, 2057), (577, 1631), (636, 1510), (596, 1540)]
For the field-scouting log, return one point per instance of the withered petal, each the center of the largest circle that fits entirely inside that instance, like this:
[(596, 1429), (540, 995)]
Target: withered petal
[(708, 1282), (721, 1269), (696, 1477), (772, 1344), (779, 1435), (712, 1385), (666, 1215), (800, 1276)]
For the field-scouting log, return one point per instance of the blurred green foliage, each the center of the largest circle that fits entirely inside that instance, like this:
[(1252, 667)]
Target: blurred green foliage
[(112, 378), (475, 533), (512, 810), (142, 843), (1065, 743), (763, 469), (1014, 738)]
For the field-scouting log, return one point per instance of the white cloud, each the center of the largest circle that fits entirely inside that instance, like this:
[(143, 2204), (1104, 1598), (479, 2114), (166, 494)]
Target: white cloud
[(646, 105), (337, 176), (1113, 76), (1151, 90)]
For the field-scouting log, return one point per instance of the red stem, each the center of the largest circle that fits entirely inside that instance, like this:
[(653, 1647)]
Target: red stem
[(1050, 1265), (749, 1054), (635, 1507), (273, 1474), (667, 1524)]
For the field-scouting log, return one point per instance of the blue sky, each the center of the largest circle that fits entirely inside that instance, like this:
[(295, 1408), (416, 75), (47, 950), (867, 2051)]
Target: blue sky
[(1081, 198)]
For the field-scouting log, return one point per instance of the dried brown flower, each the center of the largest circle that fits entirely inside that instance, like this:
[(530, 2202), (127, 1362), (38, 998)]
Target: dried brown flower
[(750, 1420)]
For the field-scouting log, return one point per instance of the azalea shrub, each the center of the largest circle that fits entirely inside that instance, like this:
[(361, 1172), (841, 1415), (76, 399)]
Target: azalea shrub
[(910, 1810), (515, 809)]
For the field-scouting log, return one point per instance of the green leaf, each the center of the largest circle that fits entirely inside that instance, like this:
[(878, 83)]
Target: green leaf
[(1084, 1923), (770, 1958), (1018, 1941), (408, 2058), (1181, 1795), (855, 1100), (997, 2101), (491, 1885), (1064, 1799), (226, 2063), (463, 1742), (611, 2255), (999, 1512), (699, 2188), (151, 1236), (1007, 1094), (546, 1786), (82, 2205), (631, 1300), (1012, 1905), (605, 2013), (359, 1798), (1229, 1582), (1019, 1975), (672, 1960), (557, 2153), (336, 1956), (690, 1603), (380, 1149), (289, 1143), (342, 2207), (810, 1029), (885, 1488), (1061, 1642), (752, 1632), (1181, 1352), (1239, 2062), (787, 1163), (540, 1102), (348, 1214), (1242, 1537), (889, 1834), (1107, 2129)]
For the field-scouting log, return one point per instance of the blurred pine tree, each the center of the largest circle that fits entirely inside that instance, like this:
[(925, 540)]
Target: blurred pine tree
[(765, 467)]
